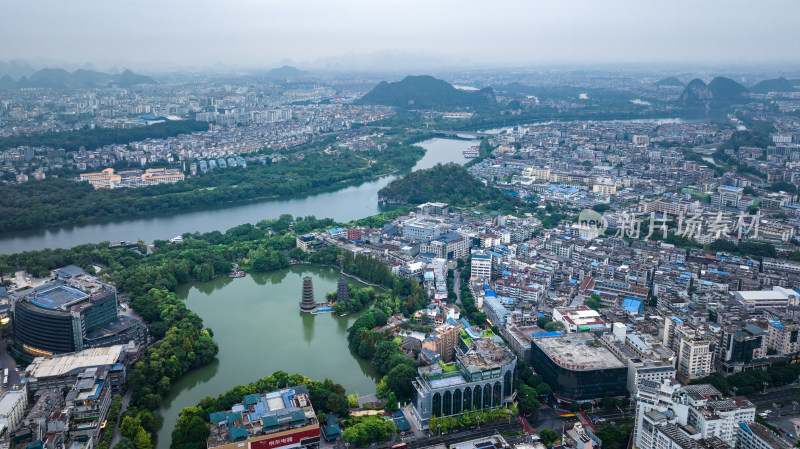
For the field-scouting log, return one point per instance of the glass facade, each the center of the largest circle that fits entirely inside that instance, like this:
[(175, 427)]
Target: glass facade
[(38, 330)]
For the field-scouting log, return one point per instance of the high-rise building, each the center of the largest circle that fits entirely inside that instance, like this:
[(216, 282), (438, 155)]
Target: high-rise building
[(307, 303), (69, 314), (727, 196), (741, 347), (443, 341), (481, 265), (783, 338), (693, 349)]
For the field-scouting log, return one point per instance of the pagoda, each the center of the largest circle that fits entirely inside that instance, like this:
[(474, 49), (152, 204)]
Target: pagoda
[(307, 303)]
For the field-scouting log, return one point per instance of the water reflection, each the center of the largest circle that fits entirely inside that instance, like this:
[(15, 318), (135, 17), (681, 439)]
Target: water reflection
[(308, 326), (259, 329)]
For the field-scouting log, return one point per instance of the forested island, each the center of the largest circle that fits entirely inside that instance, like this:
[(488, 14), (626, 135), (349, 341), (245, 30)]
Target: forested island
[(58, 202), (463, 189)]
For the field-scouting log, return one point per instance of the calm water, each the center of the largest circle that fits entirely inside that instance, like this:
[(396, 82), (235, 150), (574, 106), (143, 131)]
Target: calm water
[(342, 205), (259, 328)]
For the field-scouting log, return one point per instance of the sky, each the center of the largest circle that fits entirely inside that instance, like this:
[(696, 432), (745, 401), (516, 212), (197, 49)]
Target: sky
[(174, 34)]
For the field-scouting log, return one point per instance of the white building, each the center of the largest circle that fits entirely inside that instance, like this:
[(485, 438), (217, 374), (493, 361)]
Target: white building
[(758, 300), (577, 319), (697, 411), (727, 196), (783, 338), (12, 408), (755, 436), (481, 265)]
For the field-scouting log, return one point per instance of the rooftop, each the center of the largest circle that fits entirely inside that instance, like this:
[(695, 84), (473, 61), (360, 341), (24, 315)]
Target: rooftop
[(260, 414), (57, 297), (577, 355), (486, 354), (492, 442), (774, 441), (60, 365)]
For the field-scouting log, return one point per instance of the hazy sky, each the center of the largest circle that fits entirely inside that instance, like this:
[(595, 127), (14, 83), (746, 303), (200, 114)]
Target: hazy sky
[(251, 33)]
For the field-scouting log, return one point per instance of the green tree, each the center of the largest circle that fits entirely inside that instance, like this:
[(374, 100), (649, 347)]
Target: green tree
[(338, 403), (142, 440), (391, 403), (130, 427), (548, 436), (125, 443), (554, 326), (399, 380)]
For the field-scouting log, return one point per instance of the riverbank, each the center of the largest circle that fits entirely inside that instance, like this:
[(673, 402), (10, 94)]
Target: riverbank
[(52, 203), (343, 204)]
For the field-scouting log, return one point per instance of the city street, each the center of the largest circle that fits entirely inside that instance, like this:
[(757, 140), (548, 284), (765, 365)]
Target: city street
[(8, 362), (784, 394), (484, 431)]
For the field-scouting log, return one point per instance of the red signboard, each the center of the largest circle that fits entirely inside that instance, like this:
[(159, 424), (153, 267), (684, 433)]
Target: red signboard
[(285, 440)]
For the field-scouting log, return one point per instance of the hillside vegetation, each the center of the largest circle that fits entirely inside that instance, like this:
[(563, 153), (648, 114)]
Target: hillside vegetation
[(443, 182), (427, 92), (774, 85), (669, 81), (720, 92)]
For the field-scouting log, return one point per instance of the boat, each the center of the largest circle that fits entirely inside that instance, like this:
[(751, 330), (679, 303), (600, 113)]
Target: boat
[(471, 152)]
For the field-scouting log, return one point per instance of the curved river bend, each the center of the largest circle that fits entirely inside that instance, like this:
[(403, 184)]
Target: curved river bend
[(342, 205)]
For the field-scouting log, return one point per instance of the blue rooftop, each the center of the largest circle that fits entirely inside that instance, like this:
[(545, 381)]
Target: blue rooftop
[(57, 297), (546, 334), (632, 305)]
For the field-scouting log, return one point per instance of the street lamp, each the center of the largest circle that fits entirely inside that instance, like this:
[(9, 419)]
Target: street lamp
[(765, 386), (509, 415), (440, 428)]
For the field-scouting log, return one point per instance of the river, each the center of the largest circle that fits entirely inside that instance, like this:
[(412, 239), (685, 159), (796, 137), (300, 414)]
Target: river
[(259, 328), (342, 205)]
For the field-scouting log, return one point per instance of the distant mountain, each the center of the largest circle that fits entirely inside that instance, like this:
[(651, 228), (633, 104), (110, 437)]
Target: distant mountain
[(16, 69), (81, 78), (7, 83), (427, 92), (669, 81), (773, 85), (719, 92), (285, 73), (128, 79)]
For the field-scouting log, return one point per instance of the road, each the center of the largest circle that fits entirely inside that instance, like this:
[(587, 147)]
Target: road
[(457, 286), (472, 434), (8, 362), (783, 394), (546, 417), (124, 406)]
